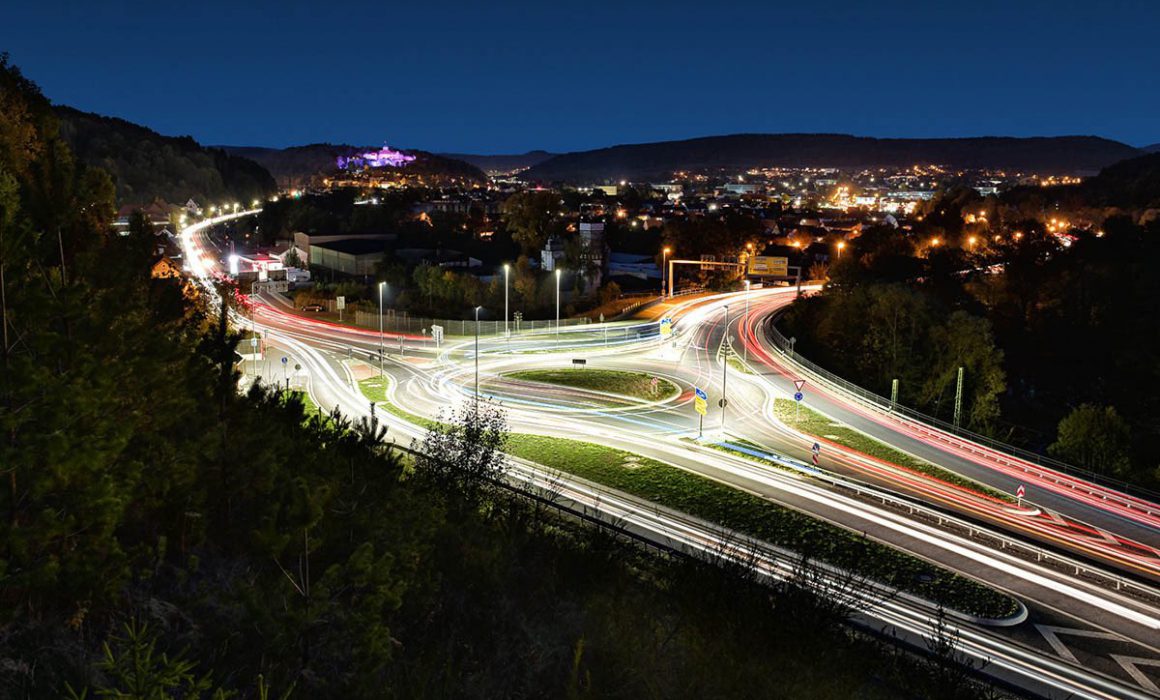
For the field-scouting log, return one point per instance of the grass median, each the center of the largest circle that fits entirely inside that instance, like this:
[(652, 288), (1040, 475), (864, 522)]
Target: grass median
[(744, 512), (638, 385), (814, 423)]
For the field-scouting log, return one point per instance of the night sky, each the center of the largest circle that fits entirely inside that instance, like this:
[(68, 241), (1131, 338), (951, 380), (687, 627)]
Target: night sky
[(494, 77)]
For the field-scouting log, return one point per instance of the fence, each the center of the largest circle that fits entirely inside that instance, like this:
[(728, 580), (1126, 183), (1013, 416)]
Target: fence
[(405, 323), (882, 403)]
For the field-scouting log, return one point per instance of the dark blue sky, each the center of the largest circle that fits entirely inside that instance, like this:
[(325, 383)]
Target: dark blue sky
[(494, 77)]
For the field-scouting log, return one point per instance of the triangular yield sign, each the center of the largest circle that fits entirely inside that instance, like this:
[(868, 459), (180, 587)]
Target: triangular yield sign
[(799, 383)]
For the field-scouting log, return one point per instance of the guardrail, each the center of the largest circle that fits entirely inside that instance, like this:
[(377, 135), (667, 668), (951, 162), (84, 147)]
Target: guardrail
[(972, 529), (782, 344)]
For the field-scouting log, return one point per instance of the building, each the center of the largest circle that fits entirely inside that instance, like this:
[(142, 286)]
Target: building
[(349, 256), (552, 253), (304, 241)]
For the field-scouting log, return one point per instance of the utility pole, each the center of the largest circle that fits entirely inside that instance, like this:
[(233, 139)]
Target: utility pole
[(725, 370), (893, 393), (664, 277), (557, 306), (381, 285), (959, 398), (506, 329), (745, 345), (477, 362)]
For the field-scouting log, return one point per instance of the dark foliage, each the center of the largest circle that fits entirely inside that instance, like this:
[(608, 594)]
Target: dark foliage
[(146, 165)]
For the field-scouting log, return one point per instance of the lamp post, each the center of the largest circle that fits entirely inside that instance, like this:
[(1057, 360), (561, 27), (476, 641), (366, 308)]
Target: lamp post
[(841, 246), (664, 273), (477, 362), (744, 345), (381, 286), (557, 306), (506, 329), (725, 370)]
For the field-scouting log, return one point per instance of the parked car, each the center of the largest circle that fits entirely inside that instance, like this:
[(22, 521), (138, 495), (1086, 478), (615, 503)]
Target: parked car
[(312, 307)]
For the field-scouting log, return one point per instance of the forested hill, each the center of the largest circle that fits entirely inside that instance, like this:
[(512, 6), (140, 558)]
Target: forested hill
[(502, 163), (297, 165), (1062, 154), (1131, 184), (146, 165)]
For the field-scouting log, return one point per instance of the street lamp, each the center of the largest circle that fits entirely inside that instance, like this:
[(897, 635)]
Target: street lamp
[(506, 329), (744, 345), (557, 306), (664, 273), (725, 369), (841, 246), (381, 286), (477, 362)]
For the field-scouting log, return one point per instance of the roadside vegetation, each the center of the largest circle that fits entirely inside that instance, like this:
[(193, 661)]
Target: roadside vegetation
[(1009, 289), (749, 514), (813, 423)]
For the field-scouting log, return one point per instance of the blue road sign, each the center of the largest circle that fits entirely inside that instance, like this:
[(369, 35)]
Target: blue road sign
[(285, 360), (817, 448), (701, 394), (798, 396)]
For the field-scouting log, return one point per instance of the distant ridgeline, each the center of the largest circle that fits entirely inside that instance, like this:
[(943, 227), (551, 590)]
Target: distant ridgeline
[(1054, 155), (301, 165), (147, 166)]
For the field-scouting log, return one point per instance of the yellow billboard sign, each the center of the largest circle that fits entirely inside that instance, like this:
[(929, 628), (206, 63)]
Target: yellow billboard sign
[(768, 265)]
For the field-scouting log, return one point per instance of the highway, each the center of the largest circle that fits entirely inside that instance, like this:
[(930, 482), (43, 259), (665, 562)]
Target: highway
[(426, 380)]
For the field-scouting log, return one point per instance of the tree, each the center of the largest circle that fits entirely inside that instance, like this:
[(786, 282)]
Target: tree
[(1094, 437), (966, 341), (462, 453), (292, 259), (531, 217)]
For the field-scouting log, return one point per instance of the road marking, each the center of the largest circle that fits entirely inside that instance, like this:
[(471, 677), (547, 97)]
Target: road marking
[(1051, 634), (1132, 665)]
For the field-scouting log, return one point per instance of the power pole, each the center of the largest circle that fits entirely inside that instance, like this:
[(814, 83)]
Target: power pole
[(959, 398), (477, 362), (893, 393), (725, 370)]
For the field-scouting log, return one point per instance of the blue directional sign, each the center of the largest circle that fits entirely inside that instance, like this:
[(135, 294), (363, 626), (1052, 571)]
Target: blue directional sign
[(798, 396), (701, 394)]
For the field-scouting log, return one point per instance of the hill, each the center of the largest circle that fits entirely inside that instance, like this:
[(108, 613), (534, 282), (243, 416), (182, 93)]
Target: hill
[(1129, 184), (146, 165), (1062, 154), (297, 165), (1154, 148), (501, 164)]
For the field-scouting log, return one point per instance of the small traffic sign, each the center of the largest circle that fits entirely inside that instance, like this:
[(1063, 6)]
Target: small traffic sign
[(816, 448), (701, 394), (285, 359), (798, 396), (700, 402), (666, 327), (1020, 492), (253, 342), (798, 384)]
